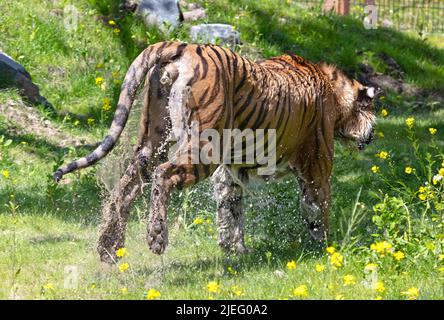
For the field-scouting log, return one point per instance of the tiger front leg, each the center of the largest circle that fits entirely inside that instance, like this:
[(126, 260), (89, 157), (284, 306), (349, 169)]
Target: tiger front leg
[(314, 204), (230, 214)]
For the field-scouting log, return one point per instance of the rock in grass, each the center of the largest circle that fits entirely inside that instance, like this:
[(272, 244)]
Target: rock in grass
[(165, 14), (223, 34), (14, 75)]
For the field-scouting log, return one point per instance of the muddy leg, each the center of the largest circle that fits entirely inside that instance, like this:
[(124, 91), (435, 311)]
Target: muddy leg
[(166, 177), (230, 214), (314, 201), (116, 210)]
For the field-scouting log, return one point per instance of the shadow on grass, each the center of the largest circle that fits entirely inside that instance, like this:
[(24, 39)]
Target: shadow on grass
[(342, 41)]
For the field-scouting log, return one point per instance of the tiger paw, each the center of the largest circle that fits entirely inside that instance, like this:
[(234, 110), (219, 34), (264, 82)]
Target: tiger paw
[(157, 237)]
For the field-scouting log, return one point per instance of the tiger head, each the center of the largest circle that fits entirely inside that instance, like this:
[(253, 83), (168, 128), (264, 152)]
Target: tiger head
[(354, 107)]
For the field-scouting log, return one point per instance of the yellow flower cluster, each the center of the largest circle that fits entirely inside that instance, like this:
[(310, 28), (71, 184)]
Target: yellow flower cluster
[(412, 293), (379, 286), (5, 174), (408, 170), (382, 248), (122, 252), (123, 267), (382, 155), (433, 131), (106, 104), (237, 291), (213, 287), (370, 267), (410, 122), (291, 265), (349, 280), (398, 255), (100, 81), (152, 294), (384, 113), (336, 259), (375, 169), (319, 267), (425, 193), (198, 221), (300, 291)]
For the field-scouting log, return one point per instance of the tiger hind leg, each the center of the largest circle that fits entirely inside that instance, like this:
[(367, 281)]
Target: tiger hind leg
[(230, 216), (116, 211), (166, 178)]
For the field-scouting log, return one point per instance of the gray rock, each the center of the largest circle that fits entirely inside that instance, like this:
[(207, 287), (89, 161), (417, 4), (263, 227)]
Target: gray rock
[(165, 14), (212, 33), (13, 74), (195, 14)]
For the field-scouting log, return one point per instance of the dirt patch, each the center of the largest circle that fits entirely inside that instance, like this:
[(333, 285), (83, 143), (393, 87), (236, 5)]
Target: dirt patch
[(21, 120), (393, 80)]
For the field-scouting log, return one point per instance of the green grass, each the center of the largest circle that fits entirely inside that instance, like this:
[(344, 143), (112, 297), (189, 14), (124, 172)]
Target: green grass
[(45, 228)]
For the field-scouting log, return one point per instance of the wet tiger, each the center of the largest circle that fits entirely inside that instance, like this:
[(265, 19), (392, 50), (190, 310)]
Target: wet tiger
[(306, 104)]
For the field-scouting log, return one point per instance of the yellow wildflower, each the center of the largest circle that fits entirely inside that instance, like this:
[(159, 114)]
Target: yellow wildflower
[(412, 293), (76, 123), (336, 260), (384, 113), (319, 267), (122, 252), (124, 290), (433, 131), (410, 122), (381, 134), (383, 155), (231, 270), (91, 121), (106, 104), (441, 172), (152, 294), (422, 189), (100, 81), (349, 280), (371, 267), (375, 169), (300, 291), (48, 287), (237, 291), (441, 269), (441, 257), (339, 297), (116, 31), (123, 267), (331, 250), (5, 173), (422, 196), (111, 22), (408, 170), (398, 255), (382, 247), (291, 265), (379, 286), (213, 287), (198, 221)]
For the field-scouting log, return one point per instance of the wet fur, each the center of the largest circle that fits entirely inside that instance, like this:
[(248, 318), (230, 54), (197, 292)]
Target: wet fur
[(308, 105)]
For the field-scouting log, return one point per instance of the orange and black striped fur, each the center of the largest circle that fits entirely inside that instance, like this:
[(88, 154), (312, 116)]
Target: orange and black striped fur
[(307, 104)]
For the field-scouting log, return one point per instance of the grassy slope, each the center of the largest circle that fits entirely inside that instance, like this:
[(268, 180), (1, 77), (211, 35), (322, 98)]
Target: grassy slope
[(56, 228)]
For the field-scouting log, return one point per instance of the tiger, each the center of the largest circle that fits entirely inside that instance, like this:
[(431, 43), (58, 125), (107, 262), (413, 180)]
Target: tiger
[(308, 105)]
